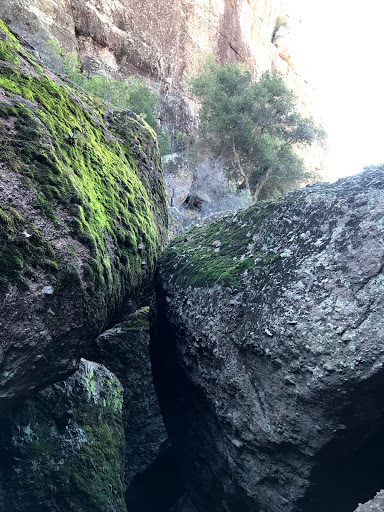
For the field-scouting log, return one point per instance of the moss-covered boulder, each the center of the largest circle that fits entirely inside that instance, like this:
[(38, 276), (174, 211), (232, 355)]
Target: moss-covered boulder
[(82, 218), (268, 355), (64, 449)]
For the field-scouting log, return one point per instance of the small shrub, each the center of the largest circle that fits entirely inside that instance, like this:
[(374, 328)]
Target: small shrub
[(129, 94), (281, 21), (164, 140)]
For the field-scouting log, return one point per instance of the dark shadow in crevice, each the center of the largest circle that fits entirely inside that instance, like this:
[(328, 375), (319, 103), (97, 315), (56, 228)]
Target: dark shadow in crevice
[(158, 487), (350, 469), (192, 425)]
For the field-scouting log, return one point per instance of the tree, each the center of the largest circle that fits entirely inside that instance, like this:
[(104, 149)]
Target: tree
[(254, 126)]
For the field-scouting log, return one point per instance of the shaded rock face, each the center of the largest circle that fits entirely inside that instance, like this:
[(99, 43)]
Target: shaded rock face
[(183, 505), (64, 449), (125, 348), (268, 352), (81, 189), (152, 480), (179, 173)]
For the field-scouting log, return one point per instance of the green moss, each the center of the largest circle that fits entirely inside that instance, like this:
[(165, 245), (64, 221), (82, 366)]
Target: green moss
[(218, 253), (138, 321), (9, 46), (23, 248), (11, 50), (70, 447), (70, 156)]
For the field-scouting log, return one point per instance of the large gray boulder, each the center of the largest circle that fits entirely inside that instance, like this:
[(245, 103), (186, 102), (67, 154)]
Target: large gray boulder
[(268, 352)]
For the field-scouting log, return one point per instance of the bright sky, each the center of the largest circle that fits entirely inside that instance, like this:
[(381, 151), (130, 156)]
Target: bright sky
[(340, 51)]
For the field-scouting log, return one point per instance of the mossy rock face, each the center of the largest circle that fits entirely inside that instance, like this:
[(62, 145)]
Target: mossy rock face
[(125, 349), (82, 218), (221, 252), (64, 448)]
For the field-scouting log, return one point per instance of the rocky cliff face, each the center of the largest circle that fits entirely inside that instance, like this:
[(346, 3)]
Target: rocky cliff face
[(268, 356), (82, 219), (164, 41)]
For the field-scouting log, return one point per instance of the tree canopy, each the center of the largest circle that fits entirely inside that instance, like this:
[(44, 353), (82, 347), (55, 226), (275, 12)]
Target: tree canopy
[(255, 126)]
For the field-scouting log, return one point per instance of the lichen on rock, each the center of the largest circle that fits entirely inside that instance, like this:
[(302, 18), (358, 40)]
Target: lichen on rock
[(64, 449), (81, 190)]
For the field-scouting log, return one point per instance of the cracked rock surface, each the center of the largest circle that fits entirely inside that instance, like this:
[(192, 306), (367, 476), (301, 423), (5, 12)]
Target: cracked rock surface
[(268, 352)]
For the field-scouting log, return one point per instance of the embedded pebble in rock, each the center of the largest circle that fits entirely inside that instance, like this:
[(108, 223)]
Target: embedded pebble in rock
[(270, 369), (47, 290)]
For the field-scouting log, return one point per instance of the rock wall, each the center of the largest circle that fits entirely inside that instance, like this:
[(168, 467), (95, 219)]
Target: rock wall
[(165, 41), (268, 352)]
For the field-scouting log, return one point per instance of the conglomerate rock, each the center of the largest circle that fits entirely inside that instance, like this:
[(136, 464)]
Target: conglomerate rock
[(82, 218), (268, 351), (63, 450)]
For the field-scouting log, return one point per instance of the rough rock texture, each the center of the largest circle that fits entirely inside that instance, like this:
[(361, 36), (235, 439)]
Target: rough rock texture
[(374, 505), (63, 450), (125, 348), (178, 177), (81, 190), (268, 352), (166, 40), (152, 479), (183, 505)]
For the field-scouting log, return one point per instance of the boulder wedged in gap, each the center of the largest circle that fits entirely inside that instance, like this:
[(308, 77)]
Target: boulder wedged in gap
[(152, 479), (268, 351)]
